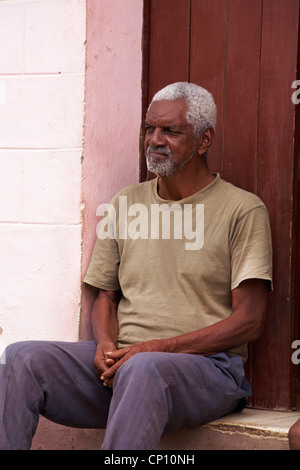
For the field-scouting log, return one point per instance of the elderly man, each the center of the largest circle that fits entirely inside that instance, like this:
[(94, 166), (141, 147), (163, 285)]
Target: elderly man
[(183, 268)]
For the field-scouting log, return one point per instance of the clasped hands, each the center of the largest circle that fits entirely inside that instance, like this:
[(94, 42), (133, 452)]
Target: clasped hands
[(108, 359)]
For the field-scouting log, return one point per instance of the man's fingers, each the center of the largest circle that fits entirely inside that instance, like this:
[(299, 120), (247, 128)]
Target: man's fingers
[(108, 383), (117, 358), (109, 362), (116, 354)]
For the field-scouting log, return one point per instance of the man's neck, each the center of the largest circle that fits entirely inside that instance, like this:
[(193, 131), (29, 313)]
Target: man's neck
[(177, 187)]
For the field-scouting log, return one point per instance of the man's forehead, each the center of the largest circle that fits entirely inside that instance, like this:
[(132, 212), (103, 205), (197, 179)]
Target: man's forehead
[(167, 111)]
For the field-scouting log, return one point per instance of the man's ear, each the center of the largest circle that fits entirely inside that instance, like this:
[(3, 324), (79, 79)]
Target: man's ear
[(205, 140)]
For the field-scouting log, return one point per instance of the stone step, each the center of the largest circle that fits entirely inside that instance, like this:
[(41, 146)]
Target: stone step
[(249, 430)]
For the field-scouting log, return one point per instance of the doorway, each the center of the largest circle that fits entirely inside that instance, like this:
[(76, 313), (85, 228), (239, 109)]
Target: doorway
[(246, 54)]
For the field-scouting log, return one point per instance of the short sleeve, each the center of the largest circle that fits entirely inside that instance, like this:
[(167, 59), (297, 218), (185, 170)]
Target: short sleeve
[(251, 247), (104, 265)]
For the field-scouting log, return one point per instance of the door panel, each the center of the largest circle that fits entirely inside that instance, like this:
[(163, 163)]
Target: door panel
[(245, 53), (207, 62), (276, 176)]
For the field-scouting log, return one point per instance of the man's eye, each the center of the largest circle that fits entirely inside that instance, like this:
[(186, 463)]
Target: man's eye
[(170, 132), (148, 129)]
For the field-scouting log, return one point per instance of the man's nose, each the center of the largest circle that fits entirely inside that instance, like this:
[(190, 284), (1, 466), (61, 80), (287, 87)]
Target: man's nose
[(157, 138)]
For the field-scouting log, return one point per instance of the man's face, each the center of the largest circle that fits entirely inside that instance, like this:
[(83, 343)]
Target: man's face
[(169, 139)]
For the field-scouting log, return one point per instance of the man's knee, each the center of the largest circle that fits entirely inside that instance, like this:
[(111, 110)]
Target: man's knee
[(24, 352), (144, 365), (15, 350)]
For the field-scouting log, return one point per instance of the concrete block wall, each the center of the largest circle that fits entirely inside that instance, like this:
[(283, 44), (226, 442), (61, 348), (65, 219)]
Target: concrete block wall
[(42, 76), (69, 139)]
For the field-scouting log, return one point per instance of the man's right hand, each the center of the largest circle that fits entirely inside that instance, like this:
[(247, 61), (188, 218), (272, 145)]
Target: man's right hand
[(102, 363)]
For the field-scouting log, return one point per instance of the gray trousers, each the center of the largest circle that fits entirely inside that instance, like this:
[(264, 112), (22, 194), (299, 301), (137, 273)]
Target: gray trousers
[(153, 394)]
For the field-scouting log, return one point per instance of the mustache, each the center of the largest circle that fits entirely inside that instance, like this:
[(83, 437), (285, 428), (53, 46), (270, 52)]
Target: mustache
[(162, 149)]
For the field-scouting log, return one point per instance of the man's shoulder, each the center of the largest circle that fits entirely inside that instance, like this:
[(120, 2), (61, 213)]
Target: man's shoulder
[(137, 192), (239, 197), (137, 187), (235, 202)]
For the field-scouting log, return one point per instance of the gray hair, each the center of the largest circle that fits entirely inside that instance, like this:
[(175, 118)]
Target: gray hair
[(201, 109)]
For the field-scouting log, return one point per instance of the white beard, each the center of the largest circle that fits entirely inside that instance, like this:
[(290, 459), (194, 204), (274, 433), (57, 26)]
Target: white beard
[(167, 166)]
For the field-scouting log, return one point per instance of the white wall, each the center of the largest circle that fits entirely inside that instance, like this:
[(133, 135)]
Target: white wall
[(48, 191), (42, 67)]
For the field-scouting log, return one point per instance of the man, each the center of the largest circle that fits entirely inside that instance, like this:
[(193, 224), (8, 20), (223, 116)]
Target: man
[(183, 268)]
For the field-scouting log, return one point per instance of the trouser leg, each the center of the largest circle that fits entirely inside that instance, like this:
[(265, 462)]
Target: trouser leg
[(56, 380), (156, 393)]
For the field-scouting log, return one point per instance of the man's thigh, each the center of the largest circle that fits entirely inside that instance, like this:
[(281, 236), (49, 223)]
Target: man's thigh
[(204, 388), (198, 389), (72, 392)]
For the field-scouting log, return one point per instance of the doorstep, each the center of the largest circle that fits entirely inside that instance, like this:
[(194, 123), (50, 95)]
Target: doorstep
[(249, 430)]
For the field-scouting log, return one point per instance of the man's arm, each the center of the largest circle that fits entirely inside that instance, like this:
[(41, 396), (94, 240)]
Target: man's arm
[(245, 324), (249, 306), (105, 328)]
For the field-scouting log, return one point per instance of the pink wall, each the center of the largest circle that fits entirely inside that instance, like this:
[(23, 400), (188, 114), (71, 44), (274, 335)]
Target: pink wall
[(112, 115)]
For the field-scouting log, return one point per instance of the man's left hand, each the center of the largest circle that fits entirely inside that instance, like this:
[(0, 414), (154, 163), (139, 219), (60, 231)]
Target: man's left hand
[(122, 355)]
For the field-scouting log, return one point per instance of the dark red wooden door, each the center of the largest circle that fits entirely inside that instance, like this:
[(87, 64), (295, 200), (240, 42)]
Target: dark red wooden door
[(245, 53)]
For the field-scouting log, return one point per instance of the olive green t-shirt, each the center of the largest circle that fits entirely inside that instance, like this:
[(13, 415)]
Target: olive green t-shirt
[(177, 262)]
